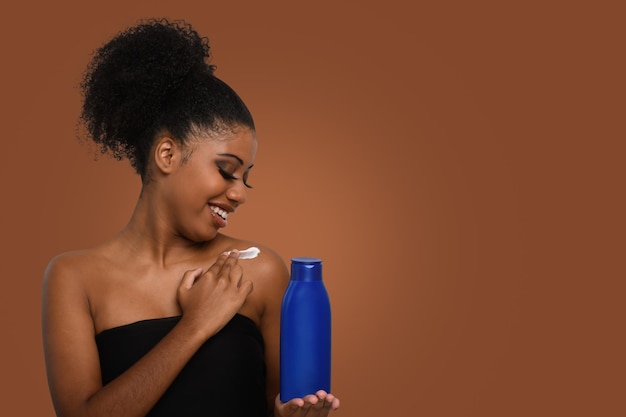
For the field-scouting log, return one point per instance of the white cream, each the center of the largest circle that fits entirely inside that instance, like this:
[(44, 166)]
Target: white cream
[(249, 253)]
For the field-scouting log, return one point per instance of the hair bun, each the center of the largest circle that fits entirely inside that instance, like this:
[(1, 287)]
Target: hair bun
[(155, 56), (162, 54)]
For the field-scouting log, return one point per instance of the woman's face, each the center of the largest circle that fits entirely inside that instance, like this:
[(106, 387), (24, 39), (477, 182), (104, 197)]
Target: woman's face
[(205, 189)]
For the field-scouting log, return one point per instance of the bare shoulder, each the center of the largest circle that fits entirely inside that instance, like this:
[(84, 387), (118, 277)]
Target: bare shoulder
[(267, 271), (266, 268), (268, 265), (71, 268), (270, 277), (65, 266)]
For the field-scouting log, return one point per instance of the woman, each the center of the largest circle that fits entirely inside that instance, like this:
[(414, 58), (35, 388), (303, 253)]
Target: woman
[(164, 319)]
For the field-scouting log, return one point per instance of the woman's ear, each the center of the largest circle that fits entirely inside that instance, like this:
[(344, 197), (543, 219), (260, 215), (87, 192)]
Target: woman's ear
[(166, 154)]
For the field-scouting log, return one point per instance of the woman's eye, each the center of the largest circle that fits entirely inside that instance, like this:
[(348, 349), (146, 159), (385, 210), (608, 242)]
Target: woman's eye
[(225, 174), (228, 176)]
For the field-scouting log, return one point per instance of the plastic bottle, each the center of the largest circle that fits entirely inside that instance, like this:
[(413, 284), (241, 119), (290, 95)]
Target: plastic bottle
[(305, 332)]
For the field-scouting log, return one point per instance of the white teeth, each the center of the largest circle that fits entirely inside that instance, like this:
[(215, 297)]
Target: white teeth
[(222, 213)]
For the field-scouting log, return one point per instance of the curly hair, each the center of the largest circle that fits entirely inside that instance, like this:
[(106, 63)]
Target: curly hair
[(150, 78)]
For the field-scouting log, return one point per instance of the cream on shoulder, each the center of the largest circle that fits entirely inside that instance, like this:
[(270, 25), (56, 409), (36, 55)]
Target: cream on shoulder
[(249, 253)]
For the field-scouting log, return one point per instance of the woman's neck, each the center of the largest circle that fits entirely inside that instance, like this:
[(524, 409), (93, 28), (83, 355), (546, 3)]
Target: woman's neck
[(150, 235)]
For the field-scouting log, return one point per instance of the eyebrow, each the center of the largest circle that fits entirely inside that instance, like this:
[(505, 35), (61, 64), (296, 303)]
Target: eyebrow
[(234, 156)]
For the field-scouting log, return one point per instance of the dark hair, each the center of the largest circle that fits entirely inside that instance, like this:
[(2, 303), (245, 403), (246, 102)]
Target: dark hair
[(151, 78)]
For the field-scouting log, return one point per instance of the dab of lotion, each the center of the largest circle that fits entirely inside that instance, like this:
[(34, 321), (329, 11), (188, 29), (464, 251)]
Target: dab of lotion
[(249, 253)]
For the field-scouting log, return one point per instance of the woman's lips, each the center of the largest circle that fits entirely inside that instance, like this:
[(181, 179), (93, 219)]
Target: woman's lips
[(219, 215), (219, 211)]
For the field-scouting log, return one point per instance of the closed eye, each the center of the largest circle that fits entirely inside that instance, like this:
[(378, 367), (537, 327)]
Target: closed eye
[(228, 176)]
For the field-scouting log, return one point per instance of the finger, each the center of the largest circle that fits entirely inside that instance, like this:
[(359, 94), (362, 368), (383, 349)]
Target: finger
[(330, 401), (289, 408), (233, 257), (217, 266), (306, 408), (321, 394), (189, 277), (295, 406), (334, 404), (246, 287), (317, 405), (236, 275), (229, 264), (325, 398), (311, 401)]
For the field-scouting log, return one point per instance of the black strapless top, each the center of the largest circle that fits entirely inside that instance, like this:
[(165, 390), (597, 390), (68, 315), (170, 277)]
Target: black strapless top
[(225, 378)]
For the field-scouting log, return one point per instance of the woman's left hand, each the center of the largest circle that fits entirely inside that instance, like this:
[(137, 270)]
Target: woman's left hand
[(318, 405)]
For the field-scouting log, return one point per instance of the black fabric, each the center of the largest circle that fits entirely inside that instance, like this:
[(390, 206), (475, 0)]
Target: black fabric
[(225, 378)]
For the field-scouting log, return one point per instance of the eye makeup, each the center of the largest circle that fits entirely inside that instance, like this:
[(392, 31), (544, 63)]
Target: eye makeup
[(229, 176)]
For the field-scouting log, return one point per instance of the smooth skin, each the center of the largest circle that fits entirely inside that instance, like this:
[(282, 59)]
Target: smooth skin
[(169, 260)]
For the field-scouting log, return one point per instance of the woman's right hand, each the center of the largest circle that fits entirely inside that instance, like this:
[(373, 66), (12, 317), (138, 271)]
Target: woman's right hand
[(209, 299)]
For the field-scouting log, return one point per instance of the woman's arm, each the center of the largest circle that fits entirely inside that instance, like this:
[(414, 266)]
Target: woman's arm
[(272, 279), (71, 353)]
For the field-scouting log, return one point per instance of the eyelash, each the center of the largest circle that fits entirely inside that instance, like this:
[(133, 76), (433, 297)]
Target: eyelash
[(228, 176)]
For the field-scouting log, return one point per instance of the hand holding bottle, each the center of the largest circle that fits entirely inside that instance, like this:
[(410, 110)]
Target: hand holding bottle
[(305, 344), (318, 405)]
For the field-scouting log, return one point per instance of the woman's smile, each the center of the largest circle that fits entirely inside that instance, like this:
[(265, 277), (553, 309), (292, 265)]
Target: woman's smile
[(219, 215)]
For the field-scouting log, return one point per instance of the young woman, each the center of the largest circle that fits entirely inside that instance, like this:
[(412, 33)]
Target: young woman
[(164, 319)]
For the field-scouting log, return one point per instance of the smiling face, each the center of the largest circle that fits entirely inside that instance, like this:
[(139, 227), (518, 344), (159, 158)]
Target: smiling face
[(204, 182)]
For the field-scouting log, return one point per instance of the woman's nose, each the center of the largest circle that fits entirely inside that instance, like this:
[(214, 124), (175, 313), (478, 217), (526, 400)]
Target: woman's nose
[(237, 193)]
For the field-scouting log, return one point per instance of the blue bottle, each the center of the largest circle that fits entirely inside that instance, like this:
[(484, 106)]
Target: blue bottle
[(305, 332)]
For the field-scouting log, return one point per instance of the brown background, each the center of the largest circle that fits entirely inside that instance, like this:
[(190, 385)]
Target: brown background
[(459, 168)]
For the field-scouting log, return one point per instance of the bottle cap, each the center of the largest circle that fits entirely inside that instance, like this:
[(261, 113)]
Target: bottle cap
[(306, 269)]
